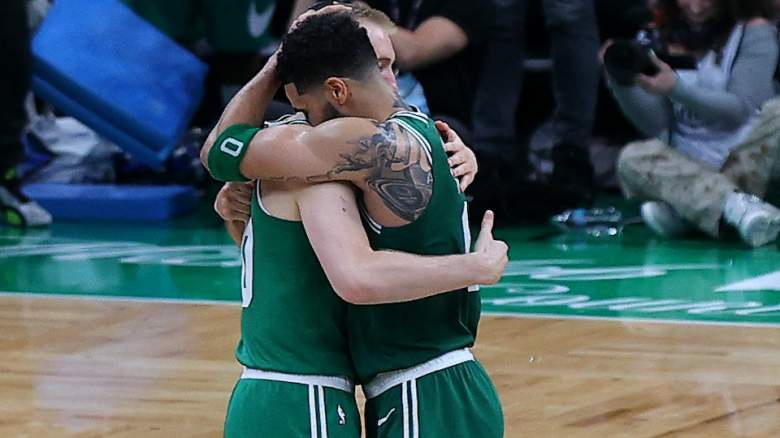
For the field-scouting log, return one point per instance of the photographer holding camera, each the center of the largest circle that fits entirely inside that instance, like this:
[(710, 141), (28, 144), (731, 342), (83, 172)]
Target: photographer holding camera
[(701, 83)]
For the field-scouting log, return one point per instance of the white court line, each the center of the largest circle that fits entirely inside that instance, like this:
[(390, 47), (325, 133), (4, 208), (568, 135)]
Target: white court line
[(770, 281), (121, 299), (633, 320), (124, 299)]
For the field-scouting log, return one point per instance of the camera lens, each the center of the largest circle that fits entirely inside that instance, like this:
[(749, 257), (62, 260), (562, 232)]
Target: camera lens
[(625, 59)]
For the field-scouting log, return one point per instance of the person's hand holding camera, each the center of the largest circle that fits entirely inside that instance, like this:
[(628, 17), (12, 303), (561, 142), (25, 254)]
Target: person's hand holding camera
[(646, 63), (662, 83)]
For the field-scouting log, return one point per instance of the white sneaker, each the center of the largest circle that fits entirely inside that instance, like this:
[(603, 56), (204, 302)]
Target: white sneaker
[(758, 222), (663, 220), (19, 211)]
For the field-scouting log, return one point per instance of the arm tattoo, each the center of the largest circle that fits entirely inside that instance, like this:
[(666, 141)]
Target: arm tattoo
[(396, 168), (402, 176)]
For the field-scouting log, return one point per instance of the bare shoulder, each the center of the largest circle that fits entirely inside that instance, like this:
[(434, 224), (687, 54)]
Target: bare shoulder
[(351, 132), (341, 130), (282, 133)]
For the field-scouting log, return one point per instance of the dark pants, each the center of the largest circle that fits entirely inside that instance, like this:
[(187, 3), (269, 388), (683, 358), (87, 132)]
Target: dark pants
[(15, 72), (575, 44)]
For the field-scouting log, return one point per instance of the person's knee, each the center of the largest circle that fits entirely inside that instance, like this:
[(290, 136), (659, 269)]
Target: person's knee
[(630, 158), (771, 108), (635, 160)]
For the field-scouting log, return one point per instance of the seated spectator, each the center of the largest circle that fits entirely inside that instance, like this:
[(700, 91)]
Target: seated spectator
[(716, 133)]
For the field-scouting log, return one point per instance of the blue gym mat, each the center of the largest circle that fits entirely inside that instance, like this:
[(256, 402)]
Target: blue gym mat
[(113, 202), (101, 63)]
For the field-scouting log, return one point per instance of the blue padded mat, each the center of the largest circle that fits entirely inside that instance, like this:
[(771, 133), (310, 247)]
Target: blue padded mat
[(113, 202), (116, 73)]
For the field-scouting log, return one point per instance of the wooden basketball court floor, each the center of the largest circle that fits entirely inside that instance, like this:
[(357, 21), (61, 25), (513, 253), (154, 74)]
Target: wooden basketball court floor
[(128, 330)]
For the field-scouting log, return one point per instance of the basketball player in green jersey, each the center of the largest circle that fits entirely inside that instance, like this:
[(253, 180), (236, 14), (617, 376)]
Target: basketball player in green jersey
[(414, 354)]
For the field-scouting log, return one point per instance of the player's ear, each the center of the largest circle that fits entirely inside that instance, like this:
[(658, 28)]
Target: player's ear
[(337, 89), (291, 91)]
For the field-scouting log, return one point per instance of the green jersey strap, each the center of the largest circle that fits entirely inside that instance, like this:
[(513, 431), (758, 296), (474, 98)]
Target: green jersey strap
[(228, 151), (298, 118)]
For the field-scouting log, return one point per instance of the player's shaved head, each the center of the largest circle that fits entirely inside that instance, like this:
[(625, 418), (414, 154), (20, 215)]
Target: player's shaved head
[(379, 27), (326, 45)]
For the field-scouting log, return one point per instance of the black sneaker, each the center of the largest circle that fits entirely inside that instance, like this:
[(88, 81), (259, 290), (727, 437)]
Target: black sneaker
[(16, 209), (572, 167)]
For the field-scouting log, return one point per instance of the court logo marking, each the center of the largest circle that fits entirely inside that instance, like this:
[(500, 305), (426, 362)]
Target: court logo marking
[(601, 292), (769, 281), (545, 287)]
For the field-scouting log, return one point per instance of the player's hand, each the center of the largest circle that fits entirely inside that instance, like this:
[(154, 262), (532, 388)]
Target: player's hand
[(273, 61), (492, 253), (234, 201), (299, 19), (462, 160)]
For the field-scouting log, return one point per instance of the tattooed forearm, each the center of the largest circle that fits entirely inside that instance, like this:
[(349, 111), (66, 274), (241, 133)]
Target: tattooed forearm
[(363, 158)]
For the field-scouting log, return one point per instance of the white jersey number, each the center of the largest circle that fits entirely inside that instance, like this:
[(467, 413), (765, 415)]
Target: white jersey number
[(467, 238), (247, 247)]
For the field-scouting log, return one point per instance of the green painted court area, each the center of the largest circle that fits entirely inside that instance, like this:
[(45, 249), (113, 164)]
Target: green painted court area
[(632, 276)]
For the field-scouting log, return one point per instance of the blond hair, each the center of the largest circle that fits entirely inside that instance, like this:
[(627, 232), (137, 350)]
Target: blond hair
[(364, 12)]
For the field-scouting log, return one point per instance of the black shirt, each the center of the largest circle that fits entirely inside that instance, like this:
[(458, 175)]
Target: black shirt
[(450, 85)]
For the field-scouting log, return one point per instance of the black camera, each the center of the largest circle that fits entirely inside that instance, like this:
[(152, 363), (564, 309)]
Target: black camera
[(625, 59)]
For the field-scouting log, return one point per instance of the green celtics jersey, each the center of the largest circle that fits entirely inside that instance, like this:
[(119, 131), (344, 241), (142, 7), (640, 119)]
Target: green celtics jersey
[(292, 320), (395, 336)]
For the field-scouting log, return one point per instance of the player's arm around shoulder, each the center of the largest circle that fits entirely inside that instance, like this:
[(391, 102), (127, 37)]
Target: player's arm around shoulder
[(242, 152), (331, 218), (361, 275), (291, 153), (349, 147)]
